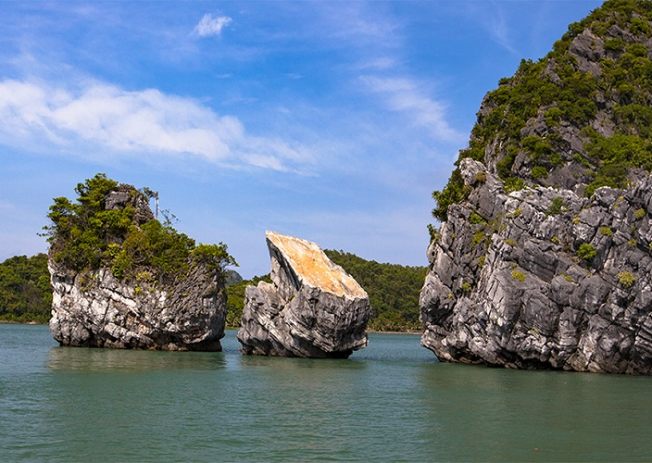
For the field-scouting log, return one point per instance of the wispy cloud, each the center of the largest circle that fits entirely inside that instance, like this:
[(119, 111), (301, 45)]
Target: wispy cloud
[(113, 120), (209, 26), (499, 31), (404, 95)]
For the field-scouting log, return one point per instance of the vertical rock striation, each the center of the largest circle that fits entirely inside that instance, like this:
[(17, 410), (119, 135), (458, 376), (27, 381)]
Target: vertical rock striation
[(312, 308), (544, 255), (516, 282)]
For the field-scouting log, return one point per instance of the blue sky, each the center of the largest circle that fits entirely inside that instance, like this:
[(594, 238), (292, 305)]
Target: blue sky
[(331, 121)]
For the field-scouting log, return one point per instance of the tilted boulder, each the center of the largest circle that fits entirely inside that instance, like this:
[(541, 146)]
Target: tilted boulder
[(312, 308)]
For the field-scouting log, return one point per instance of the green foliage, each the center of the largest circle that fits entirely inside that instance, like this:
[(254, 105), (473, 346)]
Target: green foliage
[(539, 172), (639, 214), (393, 290), (477, 219), (606, 231), (25, 292), (556, 92), (586, 252), (557, 206), (514, 184), (626, 279), (454, 192), (85, 235), (568, 278)]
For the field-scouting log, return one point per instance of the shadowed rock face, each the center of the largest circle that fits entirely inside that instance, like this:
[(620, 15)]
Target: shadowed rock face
[(313, 308), (510, 286)]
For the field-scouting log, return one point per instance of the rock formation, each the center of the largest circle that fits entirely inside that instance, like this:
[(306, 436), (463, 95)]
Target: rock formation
[(312, 308), (544, 255), (95, 309), (150, 304)]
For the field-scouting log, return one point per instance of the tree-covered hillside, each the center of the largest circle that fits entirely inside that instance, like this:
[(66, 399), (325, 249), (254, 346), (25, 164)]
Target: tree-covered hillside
[(25, 292), (393, 292), (579, 118)]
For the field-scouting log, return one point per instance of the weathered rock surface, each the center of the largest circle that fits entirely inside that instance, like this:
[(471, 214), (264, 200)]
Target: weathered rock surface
[(312, 308), (95, 309), (509, 285)]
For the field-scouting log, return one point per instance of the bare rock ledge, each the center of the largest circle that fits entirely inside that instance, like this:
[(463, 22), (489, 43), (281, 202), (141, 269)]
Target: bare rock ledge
[(312, 308)]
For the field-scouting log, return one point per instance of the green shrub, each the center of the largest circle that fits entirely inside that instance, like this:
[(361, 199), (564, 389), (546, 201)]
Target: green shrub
[(586, 251), (466, 287), (25, 291), (518, 275), (639, 214), (84, 235), (557, 206), (539, 172), (626, 279), (477, 219), (514, 184), (606, 231)]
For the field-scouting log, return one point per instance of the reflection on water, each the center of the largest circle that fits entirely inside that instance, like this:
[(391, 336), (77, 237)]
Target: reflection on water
[(91, 359)]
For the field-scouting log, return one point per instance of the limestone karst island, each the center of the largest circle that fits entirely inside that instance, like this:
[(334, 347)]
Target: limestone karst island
[(220, 240)]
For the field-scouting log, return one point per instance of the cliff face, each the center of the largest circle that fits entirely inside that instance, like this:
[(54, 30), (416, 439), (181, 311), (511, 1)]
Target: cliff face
[(542, 278), (544, 255), (95, 309), (122, 279), (312, 308)]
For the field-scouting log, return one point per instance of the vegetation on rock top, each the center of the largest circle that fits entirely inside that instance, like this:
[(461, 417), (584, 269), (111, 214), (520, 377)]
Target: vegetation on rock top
[(111, 226), (582, 115)]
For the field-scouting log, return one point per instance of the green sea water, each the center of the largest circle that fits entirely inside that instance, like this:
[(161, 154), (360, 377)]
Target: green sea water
[(389, 402)]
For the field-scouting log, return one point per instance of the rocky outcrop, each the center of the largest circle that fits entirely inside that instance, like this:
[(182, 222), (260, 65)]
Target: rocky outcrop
[(542, 278), (312, 308), (95, 309), (145, 308)]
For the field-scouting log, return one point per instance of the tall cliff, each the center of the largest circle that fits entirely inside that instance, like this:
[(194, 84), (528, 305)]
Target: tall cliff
[(544, 255), (122, 279)]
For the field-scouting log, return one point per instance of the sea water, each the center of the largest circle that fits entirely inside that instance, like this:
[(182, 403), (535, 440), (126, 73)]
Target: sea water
[(389, 402)]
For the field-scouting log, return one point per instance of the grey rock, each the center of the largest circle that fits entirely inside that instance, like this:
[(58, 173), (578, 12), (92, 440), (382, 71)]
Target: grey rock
[(95, 309), (513, 292), (312, 308)]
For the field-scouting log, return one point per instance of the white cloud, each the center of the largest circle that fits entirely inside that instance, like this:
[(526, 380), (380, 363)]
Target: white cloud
[(209, 26), (404, 95), (111, 120)]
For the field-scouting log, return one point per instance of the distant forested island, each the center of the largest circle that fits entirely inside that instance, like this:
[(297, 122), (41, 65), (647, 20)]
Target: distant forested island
[(25, 292), (26, 295)]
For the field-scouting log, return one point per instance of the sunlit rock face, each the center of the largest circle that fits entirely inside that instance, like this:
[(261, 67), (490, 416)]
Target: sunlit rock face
[(312, 308), (516, 281), (96, 309)]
